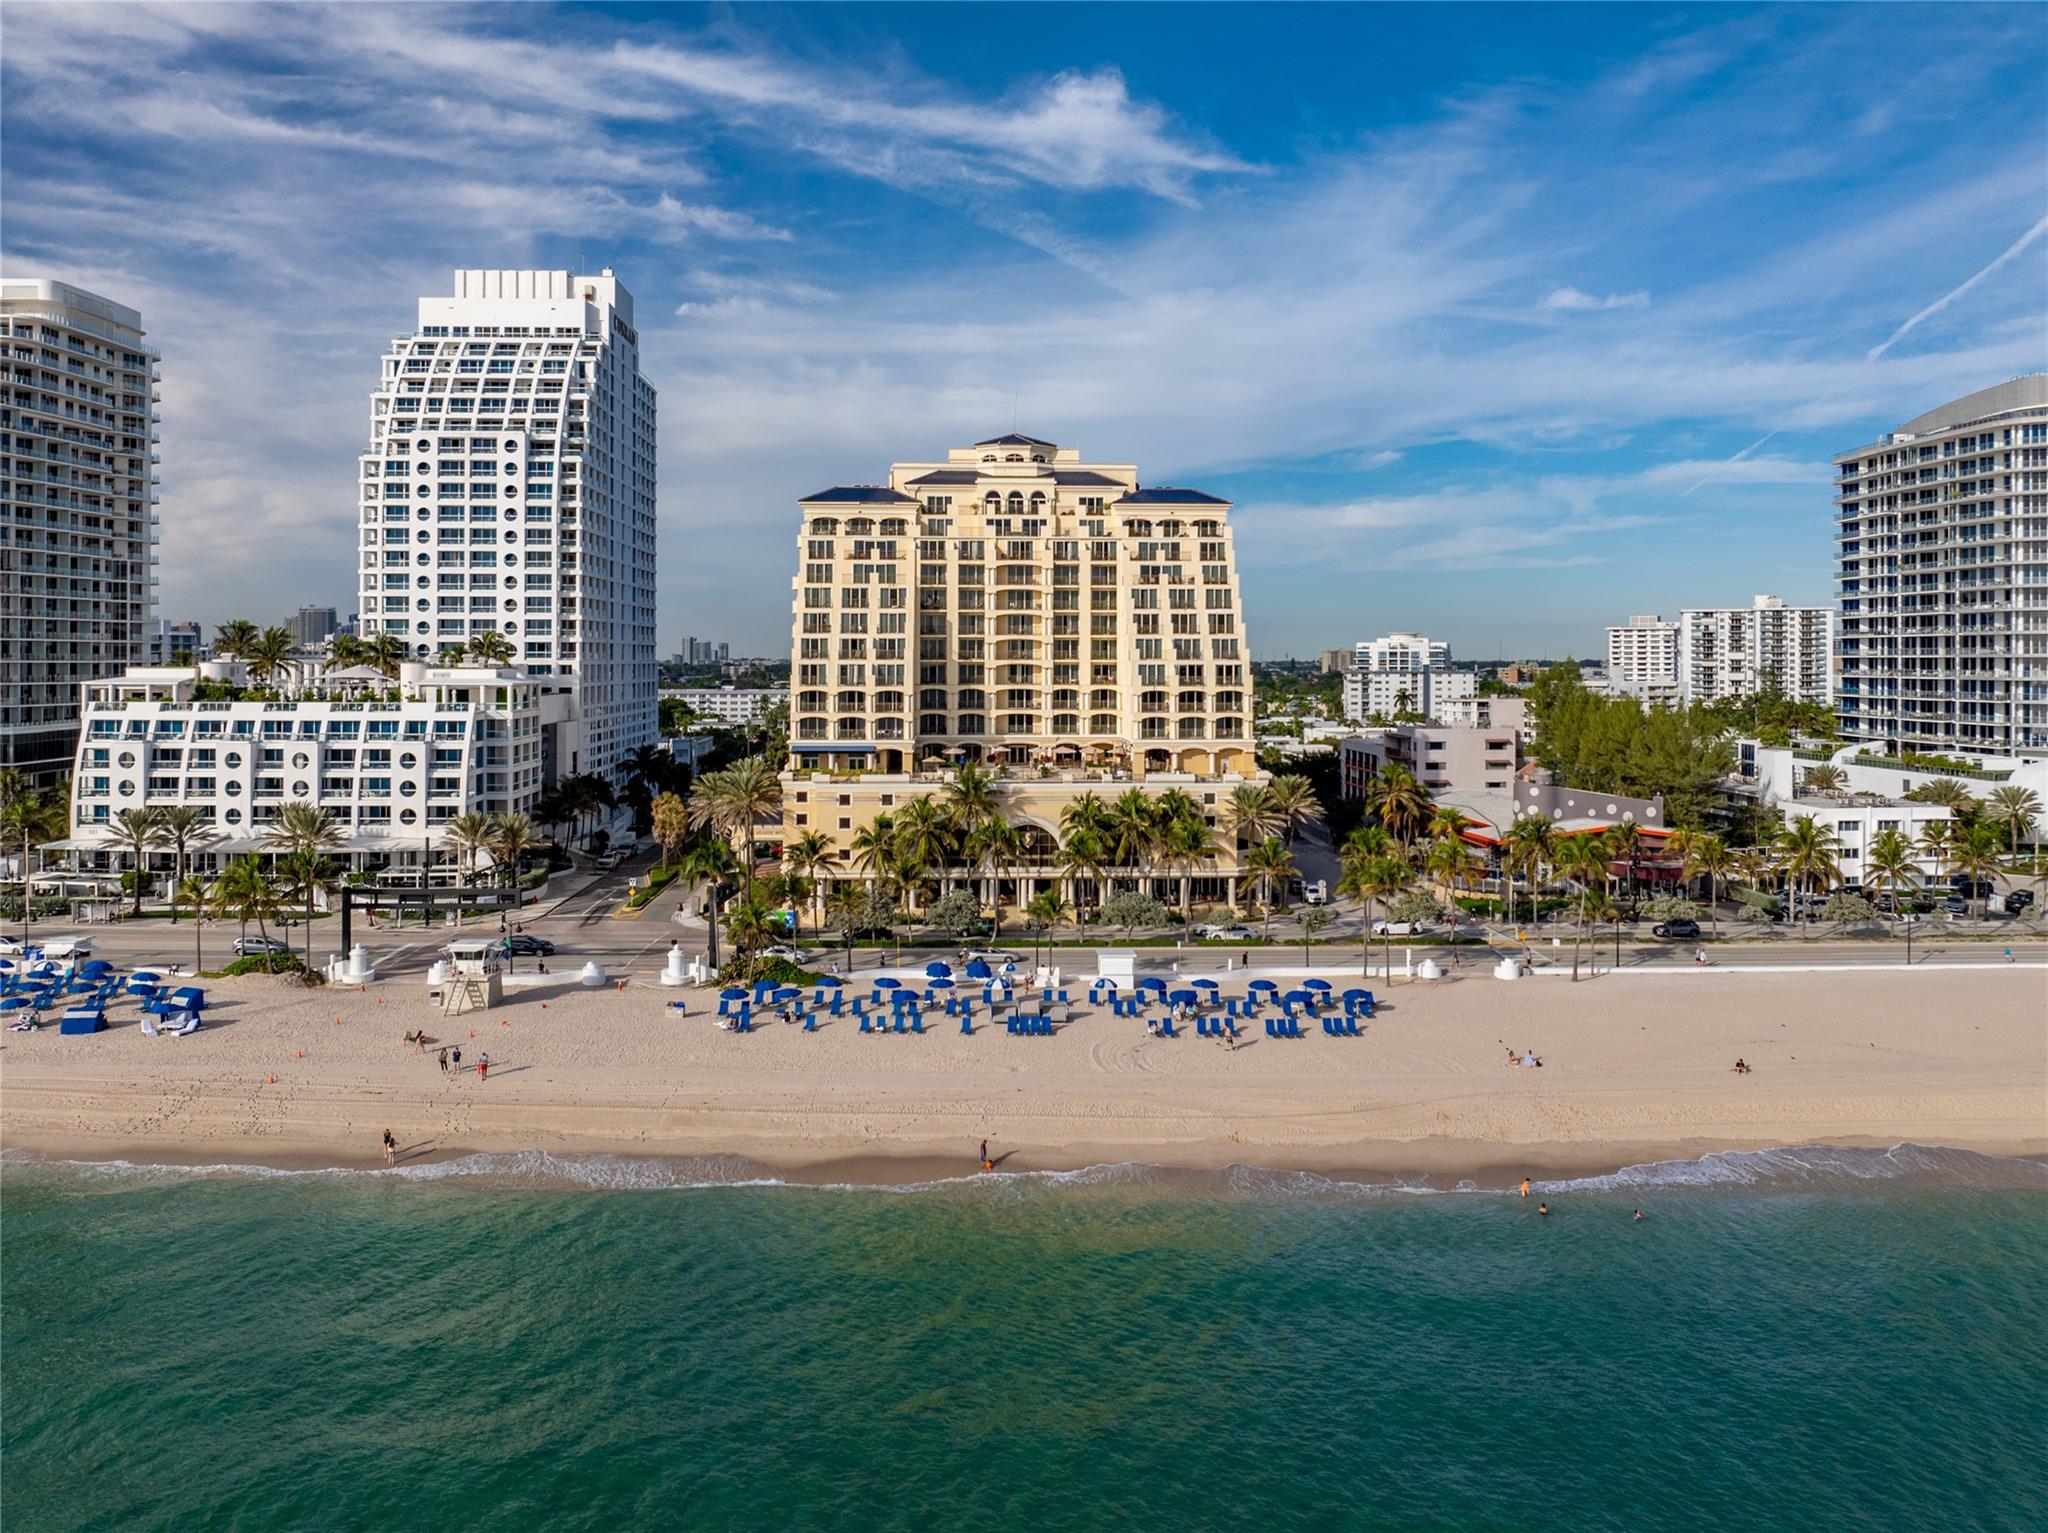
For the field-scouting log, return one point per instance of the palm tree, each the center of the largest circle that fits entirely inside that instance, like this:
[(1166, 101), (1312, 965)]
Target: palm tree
[(1249, 814), (711, 862), (1950, 793), (1367, 880), (1805, 853), (971, 796), (1974, 855), (1526, 850), (752, 926), (1892, 864), (1133, 831), (302, 875), (1296, 804), (1046, 911), (1583, 860), (670, 822), (386, 652), (468, 835), (735, 799), (234, 638), (269, 653), (192, 892), (926, 835), (1933, 845), (1266, 862), (1083, 855), (873, 845), (1399, 802), (991, 845), (345, 649), (512, 838), (490, 648), (809, 856), (243, 891), (1449, 862), (2015, 808), (27, 815), (307, 832), (1824, 778), (1184, 844), (136, 832), (185, 828), (1708, 857)]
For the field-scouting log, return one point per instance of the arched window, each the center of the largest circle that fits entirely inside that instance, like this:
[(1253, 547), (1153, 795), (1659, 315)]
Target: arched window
[(1016, 502)]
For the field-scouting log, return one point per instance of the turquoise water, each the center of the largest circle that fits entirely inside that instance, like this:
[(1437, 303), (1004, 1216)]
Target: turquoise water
[(1796, 1340)]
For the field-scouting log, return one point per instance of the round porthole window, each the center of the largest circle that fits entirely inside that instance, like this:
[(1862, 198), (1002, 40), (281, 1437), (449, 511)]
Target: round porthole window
[(422, 559), (421, 629), (511, 447), (298, 790), (423, 492), (127, 758), (408, 817), (511, 516), (232, 816), (511, 468), (233, 758), (301, 761), (511, 491), (421, 605), (408, 761), (422, 582), (511, 582), (511, 628), (408, 788), (127, 789), (425, 444), (234, 790)]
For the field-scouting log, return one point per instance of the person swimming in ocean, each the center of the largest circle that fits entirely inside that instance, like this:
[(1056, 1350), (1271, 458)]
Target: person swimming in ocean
[(1638, 1219), (1543, 1209)]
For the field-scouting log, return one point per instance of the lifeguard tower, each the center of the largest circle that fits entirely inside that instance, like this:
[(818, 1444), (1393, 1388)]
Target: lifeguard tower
[(470, 978)]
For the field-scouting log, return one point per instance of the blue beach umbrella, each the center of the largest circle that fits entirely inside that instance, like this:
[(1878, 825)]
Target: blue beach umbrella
[(734, 994), (1315, 984), (829, 979), (977, 970), (888, 984), (1152, 982), (1204, 984), (937, 970), (1262, 984)]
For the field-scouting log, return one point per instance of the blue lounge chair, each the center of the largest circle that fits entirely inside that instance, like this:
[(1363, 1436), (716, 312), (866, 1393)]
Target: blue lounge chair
[(865, 1025), (810, 1023), (1045, 1027), (966, 1024), (1166, 1027), (916, 1023), (1351, 1027)]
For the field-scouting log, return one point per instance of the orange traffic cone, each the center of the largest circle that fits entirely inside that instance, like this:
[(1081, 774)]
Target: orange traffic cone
[(273, 1080), (302, 1053)]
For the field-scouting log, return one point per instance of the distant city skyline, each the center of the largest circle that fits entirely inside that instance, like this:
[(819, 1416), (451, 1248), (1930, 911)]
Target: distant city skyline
[(1499, 342)]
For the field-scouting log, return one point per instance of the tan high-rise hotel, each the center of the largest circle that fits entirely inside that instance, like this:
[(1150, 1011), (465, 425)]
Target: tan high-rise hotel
[(1052, 619)]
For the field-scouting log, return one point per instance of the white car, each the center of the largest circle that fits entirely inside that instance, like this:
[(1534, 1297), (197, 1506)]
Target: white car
[(1400, 928), (783, 951), (1225, 934), (995, 958)]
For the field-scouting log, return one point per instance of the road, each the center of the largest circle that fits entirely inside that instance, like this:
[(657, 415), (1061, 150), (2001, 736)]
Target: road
[(582, 923)]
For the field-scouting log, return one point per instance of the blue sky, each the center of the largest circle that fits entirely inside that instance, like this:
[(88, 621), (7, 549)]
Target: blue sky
[(1497, 323)]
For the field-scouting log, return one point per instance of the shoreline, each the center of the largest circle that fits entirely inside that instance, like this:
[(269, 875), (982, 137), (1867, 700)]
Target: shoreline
[(1444, 1167)]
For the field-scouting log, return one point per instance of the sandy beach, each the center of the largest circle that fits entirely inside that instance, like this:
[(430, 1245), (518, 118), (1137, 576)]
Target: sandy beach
[(1635, 1068)]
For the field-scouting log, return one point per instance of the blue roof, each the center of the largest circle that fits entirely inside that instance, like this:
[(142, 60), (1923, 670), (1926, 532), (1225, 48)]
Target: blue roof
[(861, 494), (1167, 495), (1083, 476), (947, 476), (1013, 440)]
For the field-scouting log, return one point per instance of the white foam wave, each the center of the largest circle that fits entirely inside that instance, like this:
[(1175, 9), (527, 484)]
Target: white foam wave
[(1816, 1166)]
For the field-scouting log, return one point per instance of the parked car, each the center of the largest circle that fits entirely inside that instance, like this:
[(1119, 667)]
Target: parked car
[(783, 951), (1969, 889), (1225, 934), (1955, 905), (523, 946), (246, 947), (1400, 928), (1679, 929), (616, 858), (995, 958), (1316, 892), (2019, 900)]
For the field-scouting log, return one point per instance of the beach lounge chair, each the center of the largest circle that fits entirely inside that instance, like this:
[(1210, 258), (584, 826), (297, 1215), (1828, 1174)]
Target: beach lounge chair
[(1166, 1026), (966, 1024), (810, 1023), (149, 1027), (916, 1023), (1270, 1033), (1351, 1027), (865, 1025), (184, 1023), (899, 1023)]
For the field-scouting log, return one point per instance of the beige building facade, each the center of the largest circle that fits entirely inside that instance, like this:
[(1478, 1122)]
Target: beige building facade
[(1056, 621)]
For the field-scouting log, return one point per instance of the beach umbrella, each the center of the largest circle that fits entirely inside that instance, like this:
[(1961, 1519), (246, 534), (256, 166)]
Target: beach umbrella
[(1300, 998), (829, 979), (1204, 984), (1262, 984), (941, 984), (734, 994), (1315, 984), (937, 970), (977, 970), (888, 984), (1183, 997), (1356, 994), (146, 975), (1152, 982), (13, 1003)]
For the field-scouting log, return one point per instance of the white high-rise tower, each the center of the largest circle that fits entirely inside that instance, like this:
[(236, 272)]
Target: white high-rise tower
[(509, 489), (77, 511)]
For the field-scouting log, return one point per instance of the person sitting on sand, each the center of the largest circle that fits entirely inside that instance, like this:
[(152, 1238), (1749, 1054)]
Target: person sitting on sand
[(1742, 1067), (1152, 1026)]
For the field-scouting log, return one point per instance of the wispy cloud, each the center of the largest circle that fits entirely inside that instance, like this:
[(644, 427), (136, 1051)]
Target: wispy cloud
[(2011, 253), (1572, 298)]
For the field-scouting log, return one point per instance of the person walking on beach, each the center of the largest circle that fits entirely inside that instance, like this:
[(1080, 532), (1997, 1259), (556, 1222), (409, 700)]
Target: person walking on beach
[(390, 1149), (1525, 1187), (444, 1060), (457, 1058), (483, 1067), (984, 1154)]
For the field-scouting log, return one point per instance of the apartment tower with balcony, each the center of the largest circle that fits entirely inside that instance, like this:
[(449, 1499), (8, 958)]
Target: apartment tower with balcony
[(509, 488), (78, 521), (1942, 565), (1767, 646), (1056, 620)]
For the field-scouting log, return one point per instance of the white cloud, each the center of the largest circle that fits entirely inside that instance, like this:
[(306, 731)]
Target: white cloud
[(1572, 298)]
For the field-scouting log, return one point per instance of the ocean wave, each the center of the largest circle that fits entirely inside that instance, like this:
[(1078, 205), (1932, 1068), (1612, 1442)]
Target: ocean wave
[(1787, 1168)]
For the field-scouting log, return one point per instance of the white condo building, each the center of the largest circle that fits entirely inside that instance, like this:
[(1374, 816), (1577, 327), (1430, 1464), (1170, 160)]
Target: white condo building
[(392, 759), (1642, 658), (1735, 651), (78, 521), (509, 487), (1942, 563), (1404, 673)]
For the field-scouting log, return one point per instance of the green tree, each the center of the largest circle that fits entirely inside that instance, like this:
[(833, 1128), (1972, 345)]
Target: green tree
[(1374, 879), (308, 833), (511, 839), (669, 818), (27, 816), (1891, 864), (490, 648), (712, 863), (269, 654), (1583, 860), (1527, 851), (811, 856), (469, 835), (184, 828), (243, 893), (1129, 911), (1400, 803), (137, 832), (1267, 862), (1974, 854), (2016, 809), (194, 895), (1708, 857), (1805, 852)]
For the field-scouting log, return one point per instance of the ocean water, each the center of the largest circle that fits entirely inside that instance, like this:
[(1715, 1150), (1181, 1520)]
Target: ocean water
[(1798, 1339)]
